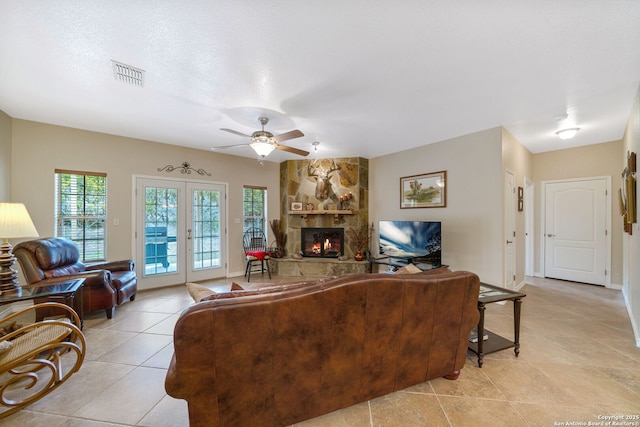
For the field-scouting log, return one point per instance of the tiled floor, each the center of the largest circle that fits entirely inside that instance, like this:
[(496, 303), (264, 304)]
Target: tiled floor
[(578, 362)]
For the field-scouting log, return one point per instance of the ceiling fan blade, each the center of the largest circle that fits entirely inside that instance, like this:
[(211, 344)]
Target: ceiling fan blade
[(292, 150), (228, 146), (288, 135), (235, 132)]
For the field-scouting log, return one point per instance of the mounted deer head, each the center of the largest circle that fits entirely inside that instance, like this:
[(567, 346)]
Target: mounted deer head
[(322, 177)]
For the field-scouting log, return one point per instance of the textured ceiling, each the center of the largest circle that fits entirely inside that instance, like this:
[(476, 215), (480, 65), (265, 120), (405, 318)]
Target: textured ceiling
[(365, 78)]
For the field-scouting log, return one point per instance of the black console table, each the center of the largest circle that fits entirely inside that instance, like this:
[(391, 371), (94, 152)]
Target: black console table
[(394, 264), (494, 342)]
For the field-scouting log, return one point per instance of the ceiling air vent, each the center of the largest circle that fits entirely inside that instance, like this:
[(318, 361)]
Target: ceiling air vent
[(128, 74)]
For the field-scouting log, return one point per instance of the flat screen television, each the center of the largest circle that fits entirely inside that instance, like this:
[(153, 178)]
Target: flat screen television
[(412, 241)]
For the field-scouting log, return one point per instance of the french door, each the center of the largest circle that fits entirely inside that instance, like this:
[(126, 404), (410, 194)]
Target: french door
[(180, 232)]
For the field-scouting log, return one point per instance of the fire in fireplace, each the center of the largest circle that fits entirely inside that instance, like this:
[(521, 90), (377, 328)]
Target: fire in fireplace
[(322, 242)]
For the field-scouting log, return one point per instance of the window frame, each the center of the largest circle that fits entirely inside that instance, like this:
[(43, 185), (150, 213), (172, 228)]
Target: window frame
[(254, 218), (83, 219)]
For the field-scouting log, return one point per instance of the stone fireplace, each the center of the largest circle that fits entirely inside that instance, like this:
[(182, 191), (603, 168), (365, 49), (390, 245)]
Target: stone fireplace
[(332, 194), (322, 242)]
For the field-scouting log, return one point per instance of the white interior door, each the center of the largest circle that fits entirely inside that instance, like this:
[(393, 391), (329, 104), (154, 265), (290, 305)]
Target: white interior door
[(575, 231), (510, 207), (528, 227), (180, 232)]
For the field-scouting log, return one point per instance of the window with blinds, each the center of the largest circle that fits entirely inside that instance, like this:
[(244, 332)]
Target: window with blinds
[(254, 209), (81, 211)]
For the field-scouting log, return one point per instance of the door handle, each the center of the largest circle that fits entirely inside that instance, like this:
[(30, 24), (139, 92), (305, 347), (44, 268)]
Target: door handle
[(509, 241), (551, 235), (189, 234)]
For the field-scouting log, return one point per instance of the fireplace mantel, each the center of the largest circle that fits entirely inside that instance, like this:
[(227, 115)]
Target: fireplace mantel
[(335, 212)]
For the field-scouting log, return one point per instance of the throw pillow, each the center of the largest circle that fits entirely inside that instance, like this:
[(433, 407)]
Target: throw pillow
[(199, 292), (408, 269)]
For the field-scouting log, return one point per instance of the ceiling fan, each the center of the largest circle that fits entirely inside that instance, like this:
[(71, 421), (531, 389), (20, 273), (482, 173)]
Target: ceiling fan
[(264, 142)]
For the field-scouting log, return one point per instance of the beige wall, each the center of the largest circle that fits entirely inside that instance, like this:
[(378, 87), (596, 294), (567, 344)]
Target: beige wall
[(38, 149), (5, 158), (472, 221), (589, 161), (631, 243)]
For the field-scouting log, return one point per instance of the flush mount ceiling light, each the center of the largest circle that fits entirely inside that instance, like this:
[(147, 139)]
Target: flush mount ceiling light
[(315, 145), (567, 133)]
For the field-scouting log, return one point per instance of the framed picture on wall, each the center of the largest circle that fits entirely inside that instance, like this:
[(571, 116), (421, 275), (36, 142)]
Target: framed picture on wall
[(428, 190)]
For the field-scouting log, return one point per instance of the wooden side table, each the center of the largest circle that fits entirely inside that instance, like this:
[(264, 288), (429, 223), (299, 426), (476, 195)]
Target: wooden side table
[(494, 342)]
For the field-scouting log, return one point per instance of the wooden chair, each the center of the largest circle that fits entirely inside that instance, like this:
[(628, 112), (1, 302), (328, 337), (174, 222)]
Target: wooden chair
[(256, 252), (38, 357)]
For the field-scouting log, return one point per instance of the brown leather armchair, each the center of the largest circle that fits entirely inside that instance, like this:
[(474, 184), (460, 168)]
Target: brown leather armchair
[(106, 284)]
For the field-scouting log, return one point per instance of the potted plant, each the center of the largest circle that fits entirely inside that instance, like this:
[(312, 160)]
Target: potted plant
[(281, 238), (359, 238)]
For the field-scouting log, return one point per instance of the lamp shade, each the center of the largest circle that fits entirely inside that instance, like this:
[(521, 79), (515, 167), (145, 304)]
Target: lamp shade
[(15, 221), (263, 148)]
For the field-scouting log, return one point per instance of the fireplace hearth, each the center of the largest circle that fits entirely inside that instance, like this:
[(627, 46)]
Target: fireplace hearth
[(322, 242)]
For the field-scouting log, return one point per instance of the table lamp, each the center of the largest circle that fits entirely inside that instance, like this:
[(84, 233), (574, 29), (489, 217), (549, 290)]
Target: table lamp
[(15, 222)]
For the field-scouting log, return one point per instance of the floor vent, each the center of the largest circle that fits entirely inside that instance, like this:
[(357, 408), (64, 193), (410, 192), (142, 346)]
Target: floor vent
[(128, 74)]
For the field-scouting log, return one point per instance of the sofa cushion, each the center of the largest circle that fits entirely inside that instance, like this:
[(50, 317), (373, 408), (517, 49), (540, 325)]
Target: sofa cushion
[(234, 293), (199, 292), (257, 255), (408, 269)]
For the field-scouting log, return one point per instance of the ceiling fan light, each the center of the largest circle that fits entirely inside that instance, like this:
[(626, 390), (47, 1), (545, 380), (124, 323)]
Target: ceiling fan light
[(567, 133), (262, 148)]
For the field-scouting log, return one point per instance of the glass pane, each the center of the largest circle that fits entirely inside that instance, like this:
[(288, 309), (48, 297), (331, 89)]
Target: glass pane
[(161, 224), (206, 238)]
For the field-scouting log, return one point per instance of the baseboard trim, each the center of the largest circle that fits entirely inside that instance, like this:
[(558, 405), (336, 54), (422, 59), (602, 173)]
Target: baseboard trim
[(634, 325)]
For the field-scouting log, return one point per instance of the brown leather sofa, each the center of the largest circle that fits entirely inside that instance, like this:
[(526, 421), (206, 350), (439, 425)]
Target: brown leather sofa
[(106, 284), (278, 356)]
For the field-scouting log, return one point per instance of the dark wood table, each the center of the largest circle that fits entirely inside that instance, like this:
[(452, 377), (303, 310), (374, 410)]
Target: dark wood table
[(394, 264), (494, 342), (67, 291)]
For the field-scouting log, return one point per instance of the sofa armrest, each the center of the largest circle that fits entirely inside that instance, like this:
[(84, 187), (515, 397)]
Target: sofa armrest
[(122, 265), (92, 279)]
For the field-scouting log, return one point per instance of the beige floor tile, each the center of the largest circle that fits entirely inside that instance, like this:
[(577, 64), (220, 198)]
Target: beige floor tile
[(465, 411), (592, 386), (164, 327), (553, 415), (103, 341), (29, 418), (169, 412), (172, 305), (90, 381), (128, 400), (161, 359), (475, 383), (353, 416), (407, 409), (136, 321), (135, 351), (521, 381)]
